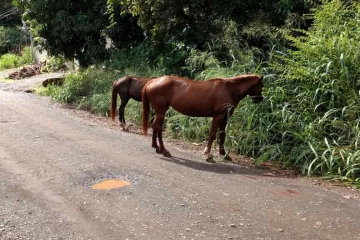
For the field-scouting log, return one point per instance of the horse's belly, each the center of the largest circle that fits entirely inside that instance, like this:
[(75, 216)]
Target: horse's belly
[(194, 110)]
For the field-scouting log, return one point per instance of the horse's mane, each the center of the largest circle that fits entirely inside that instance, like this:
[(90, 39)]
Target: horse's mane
[(240, 77), (214, 79)]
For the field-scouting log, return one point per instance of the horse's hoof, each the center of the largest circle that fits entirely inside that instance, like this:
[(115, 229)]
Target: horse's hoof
[(210, 159), (222, 152), (126, 129), (166, 154), (158, 151), (228, 158)]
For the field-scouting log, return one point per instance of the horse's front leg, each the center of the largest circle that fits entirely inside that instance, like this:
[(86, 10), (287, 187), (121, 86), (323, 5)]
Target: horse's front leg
[(222, 139), (214, 127)]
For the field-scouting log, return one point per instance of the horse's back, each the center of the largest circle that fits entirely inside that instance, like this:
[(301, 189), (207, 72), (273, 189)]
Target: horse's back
[(189, 97), (176, 82), (130, 87)]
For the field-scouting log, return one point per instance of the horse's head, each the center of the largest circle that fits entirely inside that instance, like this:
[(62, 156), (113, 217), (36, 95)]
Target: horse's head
[(255, 92)]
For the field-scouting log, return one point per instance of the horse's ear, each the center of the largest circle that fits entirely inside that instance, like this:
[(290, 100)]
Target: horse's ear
[(261, 78)]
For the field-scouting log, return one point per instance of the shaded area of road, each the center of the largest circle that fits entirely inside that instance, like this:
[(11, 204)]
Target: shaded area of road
[(49, 159)]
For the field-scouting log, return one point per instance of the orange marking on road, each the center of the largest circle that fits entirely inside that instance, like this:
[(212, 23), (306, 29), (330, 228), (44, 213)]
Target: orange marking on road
[(110, 184)]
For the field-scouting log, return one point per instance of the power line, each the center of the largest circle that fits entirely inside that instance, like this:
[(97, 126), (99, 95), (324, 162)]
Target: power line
[(7, 10), (10, 13), (2, 20)]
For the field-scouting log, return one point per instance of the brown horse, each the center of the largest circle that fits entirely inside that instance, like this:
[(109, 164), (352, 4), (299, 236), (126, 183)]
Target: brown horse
[(127, 87), (214, 98)]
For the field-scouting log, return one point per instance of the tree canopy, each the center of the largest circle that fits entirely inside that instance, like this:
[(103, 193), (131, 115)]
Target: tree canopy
[(78, 28), (70, 27), (194, 22)]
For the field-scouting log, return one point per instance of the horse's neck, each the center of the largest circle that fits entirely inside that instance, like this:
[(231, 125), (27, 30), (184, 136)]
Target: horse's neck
[(239, 88)]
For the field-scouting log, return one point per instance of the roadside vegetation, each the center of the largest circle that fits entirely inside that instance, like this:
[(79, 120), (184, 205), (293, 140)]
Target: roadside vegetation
[(10, 60), (13, 38), (308, 52)]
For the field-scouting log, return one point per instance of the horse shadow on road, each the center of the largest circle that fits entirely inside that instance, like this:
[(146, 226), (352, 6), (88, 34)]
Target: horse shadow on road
[(219, 167)]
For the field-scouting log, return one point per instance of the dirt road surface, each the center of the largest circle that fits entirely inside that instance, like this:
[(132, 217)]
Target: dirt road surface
[(50, 158)]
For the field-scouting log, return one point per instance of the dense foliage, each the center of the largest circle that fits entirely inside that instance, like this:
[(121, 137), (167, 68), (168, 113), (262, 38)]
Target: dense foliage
[(194, 22), (314, 120), (70, 28), (11, 34), (11, 38), (78, 28)]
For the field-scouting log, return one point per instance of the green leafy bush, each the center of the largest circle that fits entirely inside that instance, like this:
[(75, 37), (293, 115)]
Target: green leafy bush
[(54, 64), (26, 56), (10, 60)]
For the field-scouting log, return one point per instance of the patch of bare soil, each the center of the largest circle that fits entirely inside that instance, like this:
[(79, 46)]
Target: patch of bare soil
[(32, 70), (26, 72), (5, 73)]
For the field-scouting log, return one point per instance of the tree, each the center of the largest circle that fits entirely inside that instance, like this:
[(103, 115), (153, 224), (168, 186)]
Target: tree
[(73, 28), (124, 30), (195, 21), (12, 35), (11, 38)]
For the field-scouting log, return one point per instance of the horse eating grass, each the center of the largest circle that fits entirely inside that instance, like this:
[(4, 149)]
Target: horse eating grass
[(216, 98), (127, 87)]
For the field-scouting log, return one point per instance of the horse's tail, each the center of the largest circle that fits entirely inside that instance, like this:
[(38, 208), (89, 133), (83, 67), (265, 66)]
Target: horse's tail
[(146, 110), (113, 101)]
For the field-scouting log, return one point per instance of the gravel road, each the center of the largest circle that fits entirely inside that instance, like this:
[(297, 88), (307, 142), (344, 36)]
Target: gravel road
[(50, 158)]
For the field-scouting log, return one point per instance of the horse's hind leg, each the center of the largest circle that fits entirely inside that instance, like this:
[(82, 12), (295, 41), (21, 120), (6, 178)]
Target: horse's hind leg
[(214, 127), (154, 135), (154, 138), (124, 101), (157, 129), (165, 152)]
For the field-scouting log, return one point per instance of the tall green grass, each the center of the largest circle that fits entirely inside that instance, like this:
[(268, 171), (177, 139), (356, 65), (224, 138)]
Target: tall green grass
[(310, 118), (91, 88), (88, 89), (10, 60)]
